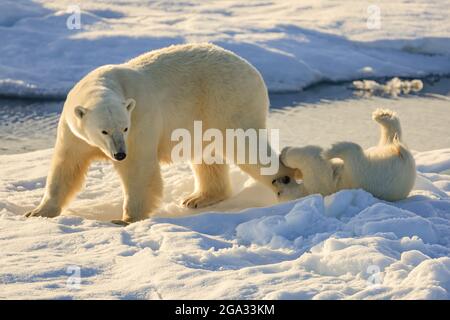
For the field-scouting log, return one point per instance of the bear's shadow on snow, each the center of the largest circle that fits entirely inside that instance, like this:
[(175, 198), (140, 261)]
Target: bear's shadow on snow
[(26, 185), (27, 9), (107, 14)]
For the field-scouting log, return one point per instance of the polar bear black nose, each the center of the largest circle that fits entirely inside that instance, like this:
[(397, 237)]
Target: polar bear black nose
[(120, 156)]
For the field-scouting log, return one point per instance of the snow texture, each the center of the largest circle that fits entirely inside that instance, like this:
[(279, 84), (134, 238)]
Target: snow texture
[(349, 245)]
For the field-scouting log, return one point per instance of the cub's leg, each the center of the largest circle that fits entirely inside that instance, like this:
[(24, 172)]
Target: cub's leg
[(212, 185), (389, 125)]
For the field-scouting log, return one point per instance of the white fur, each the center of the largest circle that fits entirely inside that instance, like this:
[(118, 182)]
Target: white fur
[(386, 170), (152, 95)]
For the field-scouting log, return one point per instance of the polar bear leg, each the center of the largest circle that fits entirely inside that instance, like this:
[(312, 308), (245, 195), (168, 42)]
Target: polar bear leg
[(212, 185), (66, 176), (142, 186)]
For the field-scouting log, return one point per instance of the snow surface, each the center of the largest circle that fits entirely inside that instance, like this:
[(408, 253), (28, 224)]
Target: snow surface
[(293, 43), (345, 246)]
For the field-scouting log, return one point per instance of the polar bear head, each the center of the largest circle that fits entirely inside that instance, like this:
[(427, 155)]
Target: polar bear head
[(104, 121)]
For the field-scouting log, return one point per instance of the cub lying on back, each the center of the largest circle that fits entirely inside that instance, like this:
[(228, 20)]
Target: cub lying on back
[(387, 170)]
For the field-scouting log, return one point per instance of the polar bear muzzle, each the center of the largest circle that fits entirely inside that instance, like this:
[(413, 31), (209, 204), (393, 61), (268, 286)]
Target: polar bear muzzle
[(117, 146), (120, 156)]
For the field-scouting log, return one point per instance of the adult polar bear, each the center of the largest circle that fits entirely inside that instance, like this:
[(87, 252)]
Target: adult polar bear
[(127, 113)]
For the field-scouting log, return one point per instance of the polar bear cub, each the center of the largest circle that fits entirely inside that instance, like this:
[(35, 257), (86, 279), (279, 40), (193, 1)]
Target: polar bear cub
[(387, 170)]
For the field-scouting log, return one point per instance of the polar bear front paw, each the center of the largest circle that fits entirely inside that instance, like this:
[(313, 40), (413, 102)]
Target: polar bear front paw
[(200, 200), (289, 191), (120, 223), (45, 211)]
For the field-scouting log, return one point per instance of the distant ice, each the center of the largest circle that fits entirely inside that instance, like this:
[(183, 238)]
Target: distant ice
[(294, 44)]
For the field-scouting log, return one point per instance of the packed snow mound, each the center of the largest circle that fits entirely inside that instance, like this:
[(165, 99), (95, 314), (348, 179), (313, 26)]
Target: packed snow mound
[(348, 245), (294, 44)]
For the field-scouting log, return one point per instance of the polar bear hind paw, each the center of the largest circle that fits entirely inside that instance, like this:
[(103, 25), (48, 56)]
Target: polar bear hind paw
[(200, 200)]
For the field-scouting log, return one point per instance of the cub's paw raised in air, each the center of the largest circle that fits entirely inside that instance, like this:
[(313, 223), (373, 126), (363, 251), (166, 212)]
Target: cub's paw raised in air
[(384, 115)]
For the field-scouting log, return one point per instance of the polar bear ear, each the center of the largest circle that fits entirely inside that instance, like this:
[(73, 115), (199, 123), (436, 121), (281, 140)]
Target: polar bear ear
[(80, 112), (130, 104)]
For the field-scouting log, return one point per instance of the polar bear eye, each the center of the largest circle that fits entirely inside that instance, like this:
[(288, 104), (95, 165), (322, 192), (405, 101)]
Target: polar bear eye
[(104, 132), (125, 130)]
